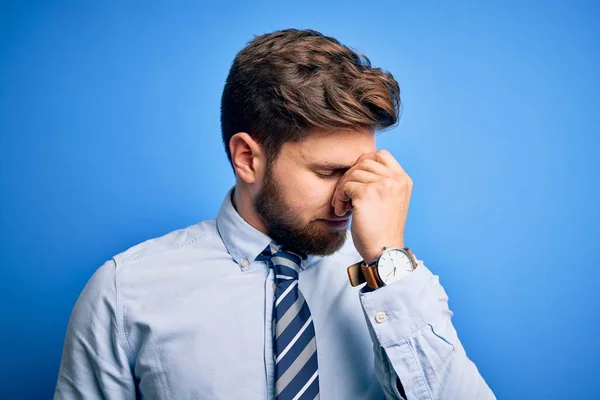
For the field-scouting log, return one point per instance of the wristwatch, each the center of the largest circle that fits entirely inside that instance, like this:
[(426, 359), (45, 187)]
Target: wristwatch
[(392, 265)]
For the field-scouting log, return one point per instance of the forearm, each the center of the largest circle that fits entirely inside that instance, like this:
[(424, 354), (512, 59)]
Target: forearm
[(415, 342)]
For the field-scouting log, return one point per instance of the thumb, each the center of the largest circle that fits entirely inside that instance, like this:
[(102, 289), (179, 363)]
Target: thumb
[(342, 198)]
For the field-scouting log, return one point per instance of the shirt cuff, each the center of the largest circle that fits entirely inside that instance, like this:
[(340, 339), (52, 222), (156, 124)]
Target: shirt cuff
[(398, 310)]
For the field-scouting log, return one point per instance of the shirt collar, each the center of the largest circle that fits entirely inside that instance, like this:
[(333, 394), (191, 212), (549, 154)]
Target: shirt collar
[(244, 242)]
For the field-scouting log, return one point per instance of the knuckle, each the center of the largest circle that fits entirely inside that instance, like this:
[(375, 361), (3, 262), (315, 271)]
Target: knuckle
[(404, 184), (404, 179), (389, 183), (384, 153), (368, 163), (363, 157), (353, 172)]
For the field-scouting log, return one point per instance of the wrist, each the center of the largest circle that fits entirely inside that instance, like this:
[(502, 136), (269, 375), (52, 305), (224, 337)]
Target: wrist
[(391, 265), (370, 257)]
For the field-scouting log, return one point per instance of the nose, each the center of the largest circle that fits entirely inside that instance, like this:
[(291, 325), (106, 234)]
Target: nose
[(347, 213)]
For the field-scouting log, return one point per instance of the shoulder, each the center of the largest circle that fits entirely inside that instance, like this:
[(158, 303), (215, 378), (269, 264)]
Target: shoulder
[(177, 240), (141, 267), (102, 283)]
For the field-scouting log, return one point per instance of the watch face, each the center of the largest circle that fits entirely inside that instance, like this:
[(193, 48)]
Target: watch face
[(394, 264)]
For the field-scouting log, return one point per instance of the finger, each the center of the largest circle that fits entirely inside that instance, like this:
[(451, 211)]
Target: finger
[(387, 159), (353, 190), (363, 176), (377, 168), (340, 206), (368, 161), (339, 200), (344, 178), (367, 157), (342, 196)]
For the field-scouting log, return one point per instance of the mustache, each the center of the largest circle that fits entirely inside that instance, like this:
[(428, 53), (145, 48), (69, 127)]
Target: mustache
[(336, 217)]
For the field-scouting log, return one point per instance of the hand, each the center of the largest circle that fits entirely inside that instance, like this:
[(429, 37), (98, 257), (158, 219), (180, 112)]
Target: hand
[(378, 192)]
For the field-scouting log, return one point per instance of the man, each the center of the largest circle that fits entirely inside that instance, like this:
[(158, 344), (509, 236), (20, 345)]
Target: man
[(259, 303)]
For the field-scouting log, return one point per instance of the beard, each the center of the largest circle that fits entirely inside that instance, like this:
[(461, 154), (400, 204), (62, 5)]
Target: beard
[(283, 226)]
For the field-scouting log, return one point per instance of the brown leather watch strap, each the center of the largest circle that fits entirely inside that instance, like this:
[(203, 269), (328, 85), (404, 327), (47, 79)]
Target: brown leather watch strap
[(371, 276), (355, 275), (412, 256), (360, 273)]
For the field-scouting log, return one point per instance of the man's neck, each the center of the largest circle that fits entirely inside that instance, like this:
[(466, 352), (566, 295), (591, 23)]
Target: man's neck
[(242, 202)]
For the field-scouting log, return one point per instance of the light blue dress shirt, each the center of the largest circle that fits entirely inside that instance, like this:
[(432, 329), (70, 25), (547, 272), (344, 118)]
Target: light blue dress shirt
[(188, 316)]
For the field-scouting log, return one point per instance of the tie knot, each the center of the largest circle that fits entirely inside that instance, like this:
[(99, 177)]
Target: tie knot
[(285, 263)]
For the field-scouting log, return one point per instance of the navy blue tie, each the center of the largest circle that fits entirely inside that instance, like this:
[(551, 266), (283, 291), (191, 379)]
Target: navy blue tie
[(295, 347)]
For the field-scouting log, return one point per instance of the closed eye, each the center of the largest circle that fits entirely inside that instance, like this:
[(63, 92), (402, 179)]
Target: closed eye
[(330, 174), (329, 170)]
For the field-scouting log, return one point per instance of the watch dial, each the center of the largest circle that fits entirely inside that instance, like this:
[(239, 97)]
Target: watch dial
[(394, 264)]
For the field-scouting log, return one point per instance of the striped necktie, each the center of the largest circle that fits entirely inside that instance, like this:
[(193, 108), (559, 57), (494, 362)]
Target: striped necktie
[(295, 347)]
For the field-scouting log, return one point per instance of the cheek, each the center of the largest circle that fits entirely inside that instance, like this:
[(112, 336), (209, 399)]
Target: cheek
[(310, 194)]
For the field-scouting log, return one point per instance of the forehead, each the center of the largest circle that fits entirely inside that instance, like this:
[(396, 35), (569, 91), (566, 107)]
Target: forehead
[(342, 147)]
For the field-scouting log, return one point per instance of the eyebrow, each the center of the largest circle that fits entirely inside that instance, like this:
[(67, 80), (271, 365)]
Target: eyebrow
[(330, 166)]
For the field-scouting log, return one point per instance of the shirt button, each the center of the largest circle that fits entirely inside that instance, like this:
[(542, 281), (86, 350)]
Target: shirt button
[(245, 263), (380, 317)]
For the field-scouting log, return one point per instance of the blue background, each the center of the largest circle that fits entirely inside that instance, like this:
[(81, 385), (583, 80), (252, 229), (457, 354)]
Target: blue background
[(109, 121)]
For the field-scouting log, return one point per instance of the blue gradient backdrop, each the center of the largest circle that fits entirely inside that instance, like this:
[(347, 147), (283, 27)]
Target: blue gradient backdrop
[(109, 122)]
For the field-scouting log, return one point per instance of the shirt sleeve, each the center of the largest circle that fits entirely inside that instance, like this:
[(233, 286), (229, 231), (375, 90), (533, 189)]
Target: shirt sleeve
[(94, 362), (415, 342)]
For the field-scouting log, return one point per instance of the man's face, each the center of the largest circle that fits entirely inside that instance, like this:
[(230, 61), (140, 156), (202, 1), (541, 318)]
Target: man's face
[(295, 199)]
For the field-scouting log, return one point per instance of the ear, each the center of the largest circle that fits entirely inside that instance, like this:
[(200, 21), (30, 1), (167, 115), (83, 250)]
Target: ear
[(247, 157)]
